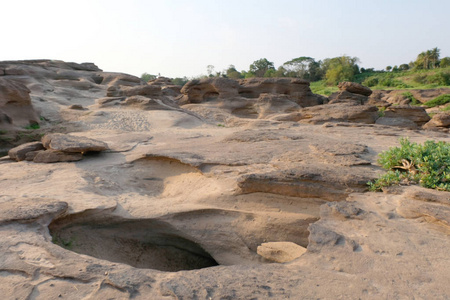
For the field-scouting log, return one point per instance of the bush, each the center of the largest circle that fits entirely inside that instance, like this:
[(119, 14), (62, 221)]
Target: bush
[(442, 78), (371, 81), (439, 100), (413, 99), (427, 165)]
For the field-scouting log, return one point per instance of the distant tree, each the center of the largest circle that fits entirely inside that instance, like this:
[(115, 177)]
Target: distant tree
[(342, 68), (180, 81), (388, 68), (147, 77), (315, 71), (231, 72), (403, 67), (395, 69), (428, 59), (298, 67), (210, 70), (260, 67), (445, 62), (281, 72), (270, 73)]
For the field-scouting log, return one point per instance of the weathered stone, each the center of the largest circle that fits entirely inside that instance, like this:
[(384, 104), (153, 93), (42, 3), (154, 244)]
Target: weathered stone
[(15, 102), (52, 156), (398, 122), (19, 153), (70, 143), (280, 252), (439, 120), (355, 88), (414, 113), (340, 112), (347, 97)]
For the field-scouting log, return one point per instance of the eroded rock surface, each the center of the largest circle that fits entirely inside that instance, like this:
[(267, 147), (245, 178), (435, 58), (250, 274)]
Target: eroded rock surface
[(179, 204)]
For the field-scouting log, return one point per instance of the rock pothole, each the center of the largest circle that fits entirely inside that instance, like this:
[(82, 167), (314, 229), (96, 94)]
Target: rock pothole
[(149, 244)]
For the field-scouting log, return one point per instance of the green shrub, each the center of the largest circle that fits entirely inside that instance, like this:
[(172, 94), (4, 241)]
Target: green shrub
[(33, 126), (413, 99), (439, 100), (442, 78), (371, 81), (427, 165)]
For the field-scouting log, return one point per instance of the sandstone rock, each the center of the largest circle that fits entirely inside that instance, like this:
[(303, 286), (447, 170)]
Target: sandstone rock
[(77, 107), (145, 103), (118, 79), (19, 153), (438, 120), (209, 89), (141, 90), (72, 144), (398, 122), (52, 156), (355, 88), (347, 97), (340, 112), (280, 252), (414, 113), (15, 102)]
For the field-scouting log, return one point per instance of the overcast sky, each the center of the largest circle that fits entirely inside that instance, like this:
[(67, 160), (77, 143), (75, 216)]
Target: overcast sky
[(180, 38)]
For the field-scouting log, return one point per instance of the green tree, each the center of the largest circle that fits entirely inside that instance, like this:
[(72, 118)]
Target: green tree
[(180, 81), (231, 72), (403, 67), (147, 77), (298, 67), (428, 59), (445, 62), (342, 68), (388, 68), (260, 67)]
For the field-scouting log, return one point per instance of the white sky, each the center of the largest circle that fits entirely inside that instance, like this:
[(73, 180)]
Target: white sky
[(180, 38)]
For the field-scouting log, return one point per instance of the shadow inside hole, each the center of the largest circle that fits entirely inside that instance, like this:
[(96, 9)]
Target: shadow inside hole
[(148, 244)]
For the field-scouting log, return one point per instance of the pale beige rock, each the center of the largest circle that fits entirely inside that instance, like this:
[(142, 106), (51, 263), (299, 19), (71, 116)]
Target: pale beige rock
[(52, 156), (354, 88), (414, 113), (280, 252), (19, 153), (72, 144)]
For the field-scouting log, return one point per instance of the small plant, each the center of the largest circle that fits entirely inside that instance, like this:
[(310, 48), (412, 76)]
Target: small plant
[(411, 97), (220, 125), (33, 126), (427, 165), (439, 100), (381, 111)]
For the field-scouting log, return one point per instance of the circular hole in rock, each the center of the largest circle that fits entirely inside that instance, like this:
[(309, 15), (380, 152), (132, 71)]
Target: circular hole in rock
[(149, 244)]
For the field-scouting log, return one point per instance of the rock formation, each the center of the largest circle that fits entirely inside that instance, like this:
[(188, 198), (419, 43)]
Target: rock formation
[(251, 189)]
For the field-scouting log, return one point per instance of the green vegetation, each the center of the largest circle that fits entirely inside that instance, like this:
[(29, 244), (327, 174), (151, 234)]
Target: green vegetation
[(439, 100), (427, 165), (33, 126), (427, 71), (410, 96)]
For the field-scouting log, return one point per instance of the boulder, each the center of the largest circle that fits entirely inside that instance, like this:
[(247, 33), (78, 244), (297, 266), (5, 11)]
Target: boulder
[(355, 88), (52, 156), (347, 97), (19, 153), (280, 252), (141, 90), (15, 102), (203, 90), (118, 79), (398, 122), (438, 120), (414, 113), (72, 144), (339, 112)]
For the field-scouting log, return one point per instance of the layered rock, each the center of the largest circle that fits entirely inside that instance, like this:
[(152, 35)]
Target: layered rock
[(15, 104)]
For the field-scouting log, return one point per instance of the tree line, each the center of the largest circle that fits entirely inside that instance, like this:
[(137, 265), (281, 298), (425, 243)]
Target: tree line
[(331, 70)]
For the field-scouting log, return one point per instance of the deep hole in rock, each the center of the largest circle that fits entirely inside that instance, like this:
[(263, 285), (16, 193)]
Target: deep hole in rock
[(147, 243)]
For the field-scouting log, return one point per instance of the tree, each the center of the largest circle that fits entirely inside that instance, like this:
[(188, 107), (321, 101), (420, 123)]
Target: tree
[(180, 81), (403, 67), (388, 68), (210, 70), (445, 62), (342, 68), (298, 67), (428, 59), (260, 67), (147, 77), (231, 72)]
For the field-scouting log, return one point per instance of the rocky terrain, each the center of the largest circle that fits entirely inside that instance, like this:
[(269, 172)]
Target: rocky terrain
[(224, 189)]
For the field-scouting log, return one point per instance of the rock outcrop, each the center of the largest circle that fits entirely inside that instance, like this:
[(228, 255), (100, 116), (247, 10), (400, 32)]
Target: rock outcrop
[(15, 104)]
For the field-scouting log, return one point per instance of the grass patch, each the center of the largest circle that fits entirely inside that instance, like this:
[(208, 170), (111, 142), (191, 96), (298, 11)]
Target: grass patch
[(439, 100), (413, 100), (321, 88), (33, 126), (427, 165)]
